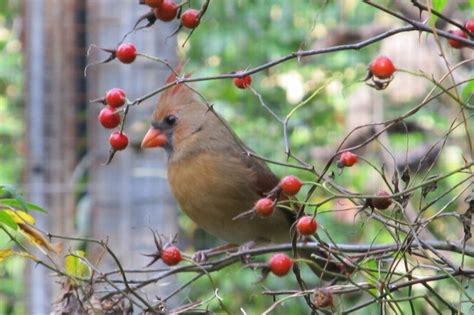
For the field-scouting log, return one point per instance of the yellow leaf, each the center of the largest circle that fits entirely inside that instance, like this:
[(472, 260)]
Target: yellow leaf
[(35, 237), (5, 253), (19, 216), (75, 266)]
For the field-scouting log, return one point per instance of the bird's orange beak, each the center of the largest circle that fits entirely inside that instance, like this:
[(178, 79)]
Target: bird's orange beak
[(154, 138)]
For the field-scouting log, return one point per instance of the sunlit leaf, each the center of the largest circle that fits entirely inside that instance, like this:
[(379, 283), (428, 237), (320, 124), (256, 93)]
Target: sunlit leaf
[(5, 253), (20, 216), (75, 266), (6, 219)]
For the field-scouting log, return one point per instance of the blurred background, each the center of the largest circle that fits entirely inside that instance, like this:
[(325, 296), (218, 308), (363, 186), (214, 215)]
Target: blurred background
[(53, 148)]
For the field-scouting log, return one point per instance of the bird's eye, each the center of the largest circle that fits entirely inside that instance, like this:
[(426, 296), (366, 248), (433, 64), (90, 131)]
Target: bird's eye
[(170, 120)]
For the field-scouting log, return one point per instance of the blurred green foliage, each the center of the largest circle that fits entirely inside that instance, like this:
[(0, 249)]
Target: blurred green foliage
[(236, 35), (11, 136), (11, 85)]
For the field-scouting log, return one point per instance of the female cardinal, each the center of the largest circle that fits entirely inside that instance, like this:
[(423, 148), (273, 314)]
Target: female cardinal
[(212, 177)]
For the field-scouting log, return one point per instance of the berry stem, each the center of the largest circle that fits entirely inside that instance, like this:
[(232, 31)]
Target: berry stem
[(125, 114)]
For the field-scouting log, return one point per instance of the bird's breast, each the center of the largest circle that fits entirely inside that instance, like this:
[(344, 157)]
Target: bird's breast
[(212, 189)]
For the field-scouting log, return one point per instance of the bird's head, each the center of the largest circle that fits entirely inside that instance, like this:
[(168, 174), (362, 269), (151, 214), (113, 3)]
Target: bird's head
[(178, 116)]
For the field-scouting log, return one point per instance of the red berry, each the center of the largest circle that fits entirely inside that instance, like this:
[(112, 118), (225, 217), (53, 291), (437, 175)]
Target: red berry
[(382, 67), (115, 97), (280, 264), (109, 118), (190, 18), (470, 26), (290, 185), (118, 140), (152, 3), (347, 159), (306, 225), (167, 11), (243, 82), (171, 255), (382, 203), (126, 53), (264, 207), (454, 43)]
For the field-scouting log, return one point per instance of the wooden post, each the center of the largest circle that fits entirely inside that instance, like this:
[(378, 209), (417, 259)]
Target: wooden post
[(122, 200), (53, 76), (131, 195)]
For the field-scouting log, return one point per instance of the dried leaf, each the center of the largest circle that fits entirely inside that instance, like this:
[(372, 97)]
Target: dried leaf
[(395, 181), (67, 302), (406, 176), (35, 237), (430, 187), (466, 217)]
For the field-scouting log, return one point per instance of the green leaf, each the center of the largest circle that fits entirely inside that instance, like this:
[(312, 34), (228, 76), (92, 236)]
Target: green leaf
[(468, 90), (75, 266), (6, 219), (438, 5), (5, 190), (12, 190), (22, 205), (17, 201)]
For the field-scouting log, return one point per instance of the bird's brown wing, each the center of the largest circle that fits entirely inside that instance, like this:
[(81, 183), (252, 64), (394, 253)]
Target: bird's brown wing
[(265, 181)]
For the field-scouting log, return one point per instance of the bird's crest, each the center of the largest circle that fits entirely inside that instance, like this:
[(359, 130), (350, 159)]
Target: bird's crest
[(173, 77), (179, 95)]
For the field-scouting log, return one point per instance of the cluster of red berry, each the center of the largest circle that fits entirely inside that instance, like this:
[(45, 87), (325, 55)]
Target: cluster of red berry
[(280, 264), (109, 117), (290, 186), (167, 10), (457, 44)]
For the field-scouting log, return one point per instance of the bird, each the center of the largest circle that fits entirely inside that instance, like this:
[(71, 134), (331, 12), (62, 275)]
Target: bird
[(212, 176)]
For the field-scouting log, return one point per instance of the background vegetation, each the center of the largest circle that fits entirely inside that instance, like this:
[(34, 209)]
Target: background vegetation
[(11, 143), (243, 34)]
